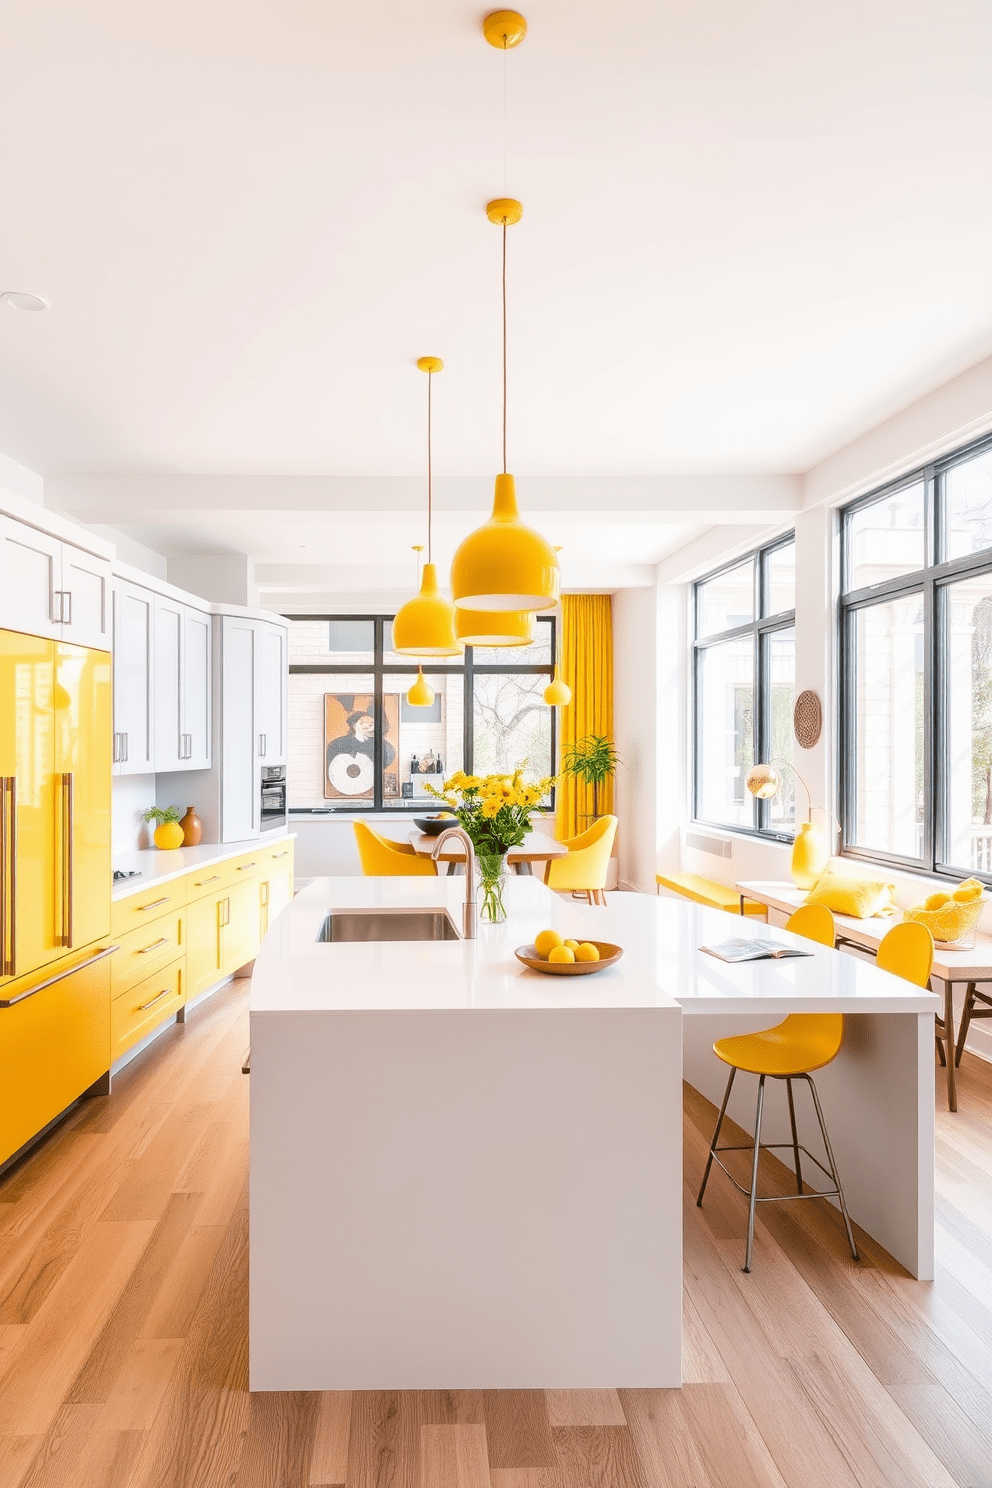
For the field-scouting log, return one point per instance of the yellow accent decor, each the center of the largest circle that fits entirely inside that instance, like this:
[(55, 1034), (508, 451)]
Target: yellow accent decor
[(953, 918), (425, 625), (505, 211), (381, 858), (707, 891), (907, 951), (504, 29), (557, 694), (504, 565), (809, 856), (859, 897), (169, 835), (494, 627), (815, 922), (584, 867), (587, 669), (421, 694)]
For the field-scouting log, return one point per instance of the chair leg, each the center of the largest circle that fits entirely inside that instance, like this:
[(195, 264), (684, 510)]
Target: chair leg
[(754, 1175), (833, 1167), (716, 1137), (795, 1138), (940, 1049), (969, 1003)]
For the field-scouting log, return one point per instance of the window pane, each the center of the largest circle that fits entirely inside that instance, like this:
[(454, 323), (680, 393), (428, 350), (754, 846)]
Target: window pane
[(725, 732), (968, 489), (886, 538), (969, 724), (428, 741), (780, 669), (888, 660), (538, 653), (330, 758), (338, 642), (512, 725), (780, 579), (726, 601)]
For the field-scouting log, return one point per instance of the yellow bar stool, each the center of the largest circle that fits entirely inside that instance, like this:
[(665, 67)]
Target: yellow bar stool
[(789, 1051)]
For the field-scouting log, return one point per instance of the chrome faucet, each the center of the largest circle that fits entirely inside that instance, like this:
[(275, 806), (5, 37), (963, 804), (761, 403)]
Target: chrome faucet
[(468, 909)]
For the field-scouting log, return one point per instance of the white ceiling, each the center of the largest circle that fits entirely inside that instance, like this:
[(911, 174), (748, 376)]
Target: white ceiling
[(750, 232)]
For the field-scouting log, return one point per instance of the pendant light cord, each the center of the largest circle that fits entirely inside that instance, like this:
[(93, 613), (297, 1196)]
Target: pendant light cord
[(504, 346), (430, 493)]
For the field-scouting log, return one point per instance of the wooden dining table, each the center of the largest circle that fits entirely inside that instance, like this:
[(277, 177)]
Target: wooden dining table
[(537, 847)]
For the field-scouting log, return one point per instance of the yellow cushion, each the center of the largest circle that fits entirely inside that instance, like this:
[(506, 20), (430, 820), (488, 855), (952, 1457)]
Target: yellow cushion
[(847, 894), (707, 891)]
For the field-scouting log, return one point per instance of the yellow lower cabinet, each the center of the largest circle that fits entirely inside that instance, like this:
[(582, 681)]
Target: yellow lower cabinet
[(144, 1006), (54, 1043), (242, 934), (206, 920), (142, 950)]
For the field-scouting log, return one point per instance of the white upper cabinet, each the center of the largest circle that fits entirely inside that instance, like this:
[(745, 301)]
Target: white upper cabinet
[(134, 676), (196, 687), (52, 588), (241, 765), (170, 742), (270, 692)]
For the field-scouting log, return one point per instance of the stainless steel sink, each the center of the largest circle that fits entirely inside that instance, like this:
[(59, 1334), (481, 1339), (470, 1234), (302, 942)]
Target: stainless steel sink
[(384, 924)]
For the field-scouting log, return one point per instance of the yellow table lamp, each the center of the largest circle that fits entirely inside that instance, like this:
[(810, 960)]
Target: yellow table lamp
[(809, 849)]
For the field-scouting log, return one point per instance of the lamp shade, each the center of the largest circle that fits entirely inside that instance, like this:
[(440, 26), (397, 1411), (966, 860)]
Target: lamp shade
[(425, 625), (494, 627), (504, 565), (763, 781), (421, 694), (557, 694)]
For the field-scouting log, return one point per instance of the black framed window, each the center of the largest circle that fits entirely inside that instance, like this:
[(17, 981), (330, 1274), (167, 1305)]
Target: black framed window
[(356, 744), (916, 668), (744, 685)]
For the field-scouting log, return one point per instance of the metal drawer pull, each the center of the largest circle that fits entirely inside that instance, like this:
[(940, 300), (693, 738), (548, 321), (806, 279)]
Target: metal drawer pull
[(200, 882), (70, 971), (142, 908), (68, 833), (163, 940), (245, 866), (282, 854), (146, 1005)]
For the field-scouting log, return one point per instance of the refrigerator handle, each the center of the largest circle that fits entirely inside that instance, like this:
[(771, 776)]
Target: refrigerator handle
[(68, 834), (8, 870)]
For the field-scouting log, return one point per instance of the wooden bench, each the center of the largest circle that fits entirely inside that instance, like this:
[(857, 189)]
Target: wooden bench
[(707, 891)]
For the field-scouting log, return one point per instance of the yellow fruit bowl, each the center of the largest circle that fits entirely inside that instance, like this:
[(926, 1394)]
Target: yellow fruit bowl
[(609, 955), (951, 920)]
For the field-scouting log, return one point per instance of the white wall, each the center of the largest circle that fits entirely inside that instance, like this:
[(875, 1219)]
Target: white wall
[(133, 794)]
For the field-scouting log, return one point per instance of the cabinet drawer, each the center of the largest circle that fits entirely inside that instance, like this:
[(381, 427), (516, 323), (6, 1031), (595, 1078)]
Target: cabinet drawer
[(280, 856), (145, 1005), (142, 951), (221, 876), (138, 909)]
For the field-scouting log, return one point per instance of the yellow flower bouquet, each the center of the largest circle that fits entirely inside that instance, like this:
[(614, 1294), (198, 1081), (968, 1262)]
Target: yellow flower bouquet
[(496, 812)]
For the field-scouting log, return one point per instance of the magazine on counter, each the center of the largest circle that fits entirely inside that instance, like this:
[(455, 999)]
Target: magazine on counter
[(752, 950)]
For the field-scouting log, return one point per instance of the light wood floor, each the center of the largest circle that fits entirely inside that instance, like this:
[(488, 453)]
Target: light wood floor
[(123, 1328)]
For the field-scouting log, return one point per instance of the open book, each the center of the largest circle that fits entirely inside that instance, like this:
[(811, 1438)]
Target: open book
[(752, 950)]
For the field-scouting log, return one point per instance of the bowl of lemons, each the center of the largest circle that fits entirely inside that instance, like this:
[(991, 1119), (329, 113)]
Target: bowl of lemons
[(556, 956)]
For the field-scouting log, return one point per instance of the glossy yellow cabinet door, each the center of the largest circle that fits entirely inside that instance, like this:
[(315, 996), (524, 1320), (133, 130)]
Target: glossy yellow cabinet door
[(83, 731), (242, 933), (30, 921), (205, 924)]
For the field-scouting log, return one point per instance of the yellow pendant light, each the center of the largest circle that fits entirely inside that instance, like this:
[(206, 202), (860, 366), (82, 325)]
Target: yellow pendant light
[(494, 627), (558, 694), (505, 565), (421, 694), (425, 626)]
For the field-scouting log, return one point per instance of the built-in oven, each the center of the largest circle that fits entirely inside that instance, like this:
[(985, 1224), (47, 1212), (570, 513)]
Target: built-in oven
[(273, 812)]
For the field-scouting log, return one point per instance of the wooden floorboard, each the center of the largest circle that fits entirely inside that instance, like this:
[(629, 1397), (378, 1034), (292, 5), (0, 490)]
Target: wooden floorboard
[(124, 1348)]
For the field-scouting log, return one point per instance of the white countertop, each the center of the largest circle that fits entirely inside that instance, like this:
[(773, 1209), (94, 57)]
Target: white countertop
[(662, 965), (157, 866)]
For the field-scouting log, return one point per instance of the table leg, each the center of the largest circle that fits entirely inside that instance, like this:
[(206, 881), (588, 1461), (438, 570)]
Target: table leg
[(524, 869), (952, 1093)]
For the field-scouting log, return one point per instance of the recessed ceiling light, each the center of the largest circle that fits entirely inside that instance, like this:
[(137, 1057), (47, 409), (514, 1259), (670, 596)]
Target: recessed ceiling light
[(20, 299)]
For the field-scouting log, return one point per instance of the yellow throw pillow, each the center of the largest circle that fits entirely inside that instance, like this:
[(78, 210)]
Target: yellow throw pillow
[(859, 897)]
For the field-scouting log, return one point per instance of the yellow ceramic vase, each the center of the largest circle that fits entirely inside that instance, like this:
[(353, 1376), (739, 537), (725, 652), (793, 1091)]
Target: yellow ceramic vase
[(809, 856), (169, 835)]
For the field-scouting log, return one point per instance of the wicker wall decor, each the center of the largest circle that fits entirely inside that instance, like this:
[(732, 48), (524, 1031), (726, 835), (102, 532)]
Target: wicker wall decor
[(807, 719)]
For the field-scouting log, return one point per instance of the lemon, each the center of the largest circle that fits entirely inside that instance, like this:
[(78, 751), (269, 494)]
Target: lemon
[(561, 953), (546, 942), (587, 952), (968, 891), (937, 901), (573, 945)]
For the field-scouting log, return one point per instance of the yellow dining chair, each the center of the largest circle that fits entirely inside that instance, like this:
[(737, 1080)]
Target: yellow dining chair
[(790, 1051), (907, 951), (382, 858), (583, 869)]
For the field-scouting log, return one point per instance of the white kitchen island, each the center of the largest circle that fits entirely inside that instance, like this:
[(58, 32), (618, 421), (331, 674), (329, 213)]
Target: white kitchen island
[(465, 1174)]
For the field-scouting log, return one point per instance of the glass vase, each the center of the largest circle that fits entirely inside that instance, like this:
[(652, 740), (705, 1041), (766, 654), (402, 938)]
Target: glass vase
[(491, 868)]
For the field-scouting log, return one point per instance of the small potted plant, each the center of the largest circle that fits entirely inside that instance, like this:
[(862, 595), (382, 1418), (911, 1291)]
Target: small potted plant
[(168, 832), (593, 759)]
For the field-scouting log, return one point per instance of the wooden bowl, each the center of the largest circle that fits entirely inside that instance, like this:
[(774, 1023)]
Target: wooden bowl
[(609, 955)]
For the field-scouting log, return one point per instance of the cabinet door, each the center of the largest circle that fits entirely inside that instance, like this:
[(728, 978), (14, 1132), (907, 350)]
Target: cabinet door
[(206, 921), (134, 614), (86, 602), (31, 922), (241, 765), (30, 578), (170, 752), (196, 688), (243, 932), (270, 691), (83, 766)]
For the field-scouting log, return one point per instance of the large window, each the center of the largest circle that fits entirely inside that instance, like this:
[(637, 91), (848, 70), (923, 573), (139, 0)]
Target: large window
[(744, 688), (356, 744), (916, 669)]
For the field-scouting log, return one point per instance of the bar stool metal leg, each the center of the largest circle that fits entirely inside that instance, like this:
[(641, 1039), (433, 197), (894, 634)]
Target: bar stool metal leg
[(716, 1137), (795, 1137), (833, 1167), (754, 1175)]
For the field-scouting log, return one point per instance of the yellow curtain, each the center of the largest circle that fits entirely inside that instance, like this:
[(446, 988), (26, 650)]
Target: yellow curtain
[(587, 667)]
